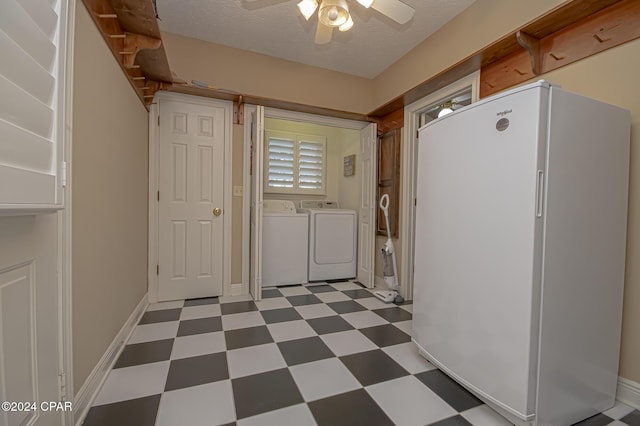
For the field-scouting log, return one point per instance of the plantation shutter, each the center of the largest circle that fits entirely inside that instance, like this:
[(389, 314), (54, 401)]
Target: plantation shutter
[(294, 164), (32, 75), (281, 162), (311, 165)]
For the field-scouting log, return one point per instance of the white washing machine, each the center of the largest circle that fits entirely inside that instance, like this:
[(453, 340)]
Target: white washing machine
[(333, 240), (285, 244)]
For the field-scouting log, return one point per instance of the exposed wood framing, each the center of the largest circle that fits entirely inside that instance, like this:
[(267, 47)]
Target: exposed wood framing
[(238, 111), (130, 30), (391, 121), (507, 48), (568, 33), (190, 89), (610, 27)]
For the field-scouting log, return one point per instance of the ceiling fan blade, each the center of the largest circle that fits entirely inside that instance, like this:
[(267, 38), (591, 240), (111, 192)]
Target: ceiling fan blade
[(323, 33), (394, 9)]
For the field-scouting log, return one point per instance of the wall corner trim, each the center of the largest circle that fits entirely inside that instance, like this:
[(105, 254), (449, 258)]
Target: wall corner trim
[(628, 392), (92, 385)]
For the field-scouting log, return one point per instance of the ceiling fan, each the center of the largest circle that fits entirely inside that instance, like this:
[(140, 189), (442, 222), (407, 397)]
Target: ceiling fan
[(335, 14)]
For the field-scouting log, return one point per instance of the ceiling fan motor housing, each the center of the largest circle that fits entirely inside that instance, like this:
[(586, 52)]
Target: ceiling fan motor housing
[(333, 13)]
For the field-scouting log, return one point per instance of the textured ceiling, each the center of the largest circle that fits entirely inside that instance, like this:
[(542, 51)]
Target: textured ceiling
[(276, 28)]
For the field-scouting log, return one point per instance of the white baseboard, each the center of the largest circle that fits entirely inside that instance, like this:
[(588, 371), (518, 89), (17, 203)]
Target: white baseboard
[(237, 289), (628, 392), (89, 390)]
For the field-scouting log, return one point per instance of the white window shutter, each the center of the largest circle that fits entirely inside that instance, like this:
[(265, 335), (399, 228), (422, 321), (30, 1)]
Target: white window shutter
[(33, 37), (281, 162), (311, 165), (295, 164)]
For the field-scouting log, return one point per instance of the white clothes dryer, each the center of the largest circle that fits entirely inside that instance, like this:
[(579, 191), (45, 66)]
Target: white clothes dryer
[(333, 240), (285, 244)]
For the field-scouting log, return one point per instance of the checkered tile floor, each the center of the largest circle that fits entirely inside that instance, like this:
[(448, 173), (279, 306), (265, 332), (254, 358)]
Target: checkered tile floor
[(328, 355)]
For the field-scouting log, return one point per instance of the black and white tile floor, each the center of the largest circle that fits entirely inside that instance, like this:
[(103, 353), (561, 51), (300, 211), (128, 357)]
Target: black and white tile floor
[(329, 355)]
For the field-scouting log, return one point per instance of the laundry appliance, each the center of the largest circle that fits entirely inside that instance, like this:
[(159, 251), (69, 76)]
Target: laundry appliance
[(285, 244), (333, 240)]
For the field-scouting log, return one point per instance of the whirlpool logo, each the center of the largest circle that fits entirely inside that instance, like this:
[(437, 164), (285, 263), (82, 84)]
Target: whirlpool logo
[(505, 112)]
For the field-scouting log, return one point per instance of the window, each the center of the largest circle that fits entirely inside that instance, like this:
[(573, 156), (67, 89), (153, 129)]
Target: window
[(32, 106), (294, 163)]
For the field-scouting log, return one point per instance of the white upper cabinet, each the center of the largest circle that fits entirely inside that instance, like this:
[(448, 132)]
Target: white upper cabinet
[(34, 38)]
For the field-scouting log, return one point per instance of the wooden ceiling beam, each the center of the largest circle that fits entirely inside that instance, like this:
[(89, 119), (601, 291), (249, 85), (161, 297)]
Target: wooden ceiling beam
[(509, 53), (132, 34), (610, 27)]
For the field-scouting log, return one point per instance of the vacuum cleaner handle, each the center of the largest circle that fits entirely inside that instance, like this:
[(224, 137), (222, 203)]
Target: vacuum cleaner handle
[(384, 203)]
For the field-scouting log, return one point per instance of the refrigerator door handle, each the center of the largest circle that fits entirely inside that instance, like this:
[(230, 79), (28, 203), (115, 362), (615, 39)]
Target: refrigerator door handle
[(539, 193)]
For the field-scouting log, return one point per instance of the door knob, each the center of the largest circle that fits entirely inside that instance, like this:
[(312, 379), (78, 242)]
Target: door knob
[(217, 211)]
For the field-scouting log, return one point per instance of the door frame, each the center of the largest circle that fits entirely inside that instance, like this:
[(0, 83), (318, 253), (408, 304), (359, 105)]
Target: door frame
[(154, 169), (246, 177), (409, 151)]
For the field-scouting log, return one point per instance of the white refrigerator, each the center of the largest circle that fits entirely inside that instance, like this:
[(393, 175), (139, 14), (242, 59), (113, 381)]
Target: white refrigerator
[(520, 240)]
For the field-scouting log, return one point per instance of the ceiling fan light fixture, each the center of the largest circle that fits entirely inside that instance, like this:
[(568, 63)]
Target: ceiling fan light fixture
[(307, 7), (333, 13), (347, 25), (366, 3)]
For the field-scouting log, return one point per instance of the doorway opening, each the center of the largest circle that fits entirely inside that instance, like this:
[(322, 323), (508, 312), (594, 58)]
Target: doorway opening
[(457, 95), (312, 168)]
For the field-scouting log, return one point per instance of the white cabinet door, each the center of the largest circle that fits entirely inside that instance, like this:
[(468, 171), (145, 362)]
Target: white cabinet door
[(191, 205), (35, 104), (29, 312), (367, 210)]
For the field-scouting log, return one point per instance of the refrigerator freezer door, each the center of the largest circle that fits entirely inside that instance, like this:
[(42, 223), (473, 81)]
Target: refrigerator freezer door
[(476, 243)]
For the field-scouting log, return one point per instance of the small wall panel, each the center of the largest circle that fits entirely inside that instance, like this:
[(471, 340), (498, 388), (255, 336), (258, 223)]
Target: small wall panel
[(365, 249), (179, 172), (205, 231), (179, 124), (366, 184), (18, 378), (205, 163), (179, 246), (205, 126)]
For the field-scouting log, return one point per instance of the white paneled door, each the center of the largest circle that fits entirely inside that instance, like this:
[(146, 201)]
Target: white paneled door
[(367, 210), (190, 208)]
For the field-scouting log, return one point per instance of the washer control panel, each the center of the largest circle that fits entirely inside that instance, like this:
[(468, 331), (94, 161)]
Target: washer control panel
[(278, 206)]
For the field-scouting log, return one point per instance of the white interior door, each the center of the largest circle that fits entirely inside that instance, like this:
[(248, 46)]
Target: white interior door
[(367, 209), (191, 202), (257, 157)]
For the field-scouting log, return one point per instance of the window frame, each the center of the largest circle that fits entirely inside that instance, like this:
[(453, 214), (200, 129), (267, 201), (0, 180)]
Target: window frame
[(297, 139)]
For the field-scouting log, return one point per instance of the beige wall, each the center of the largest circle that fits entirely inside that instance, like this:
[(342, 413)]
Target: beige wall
[(338, 141), (612, 77), (265, 76), (482, 23), (236, 220), (109, 205), (349, 186)]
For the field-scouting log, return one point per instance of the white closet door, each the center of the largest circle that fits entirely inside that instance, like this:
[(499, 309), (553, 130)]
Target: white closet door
[(367, 210), (191, 206)]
